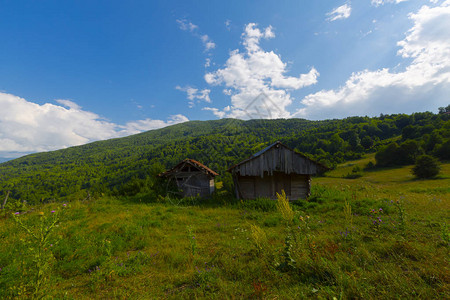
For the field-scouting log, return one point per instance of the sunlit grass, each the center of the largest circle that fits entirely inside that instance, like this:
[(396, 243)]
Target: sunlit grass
[(114, 248)]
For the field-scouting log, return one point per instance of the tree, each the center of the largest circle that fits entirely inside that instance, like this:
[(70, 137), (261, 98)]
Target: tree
[(387, 130), (443, 151), (426, 167), (410, 132), (403, 120), (353, 139), (387, 155), (336, 143), (443, 110), (367, 142), (408, 152), (431, 140)]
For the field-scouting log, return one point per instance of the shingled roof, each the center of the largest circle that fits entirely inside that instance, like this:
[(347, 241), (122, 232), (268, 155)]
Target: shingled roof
[(192, 162)]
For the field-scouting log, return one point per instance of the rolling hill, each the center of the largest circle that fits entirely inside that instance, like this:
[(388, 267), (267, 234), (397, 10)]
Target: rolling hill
[(128, 165)]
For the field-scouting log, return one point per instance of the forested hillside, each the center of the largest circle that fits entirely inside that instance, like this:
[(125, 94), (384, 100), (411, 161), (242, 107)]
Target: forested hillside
[(129, 165)]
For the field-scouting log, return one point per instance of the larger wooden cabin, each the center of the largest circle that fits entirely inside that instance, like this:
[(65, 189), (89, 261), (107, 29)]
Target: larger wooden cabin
[(272, 170), (192, 178)]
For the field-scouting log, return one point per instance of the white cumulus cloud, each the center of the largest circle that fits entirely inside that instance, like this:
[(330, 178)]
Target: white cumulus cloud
[(192, 28), (256, 80), (207, 62), (138, 126), (228, 24), (29, 127), (186, 25), (341, 12), (423, 85), (193, 94), (218, 113)]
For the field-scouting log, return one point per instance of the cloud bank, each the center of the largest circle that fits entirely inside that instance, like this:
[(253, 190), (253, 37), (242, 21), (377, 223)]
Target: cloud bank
[(29, 127), (424, 82)]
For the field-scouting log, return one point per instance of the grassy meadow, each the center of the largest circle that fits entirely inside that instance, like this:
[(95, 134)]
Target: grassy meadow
[(381, 236)]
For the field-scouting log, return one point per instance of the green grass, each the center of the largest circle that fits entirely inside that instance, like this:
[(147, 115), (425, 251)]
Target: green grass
[(114, 248)]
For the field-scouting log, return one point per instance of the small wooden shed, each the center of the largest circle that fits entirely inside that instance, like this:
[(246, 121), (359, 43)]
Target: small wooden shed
[(192, 178), (272, 170)]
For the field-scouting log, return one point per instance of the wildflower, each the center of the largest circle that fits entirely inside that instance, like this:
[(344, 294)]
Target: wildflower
[(64, 205), (381, 210), (41, 213), (17, 213), (53, 211)]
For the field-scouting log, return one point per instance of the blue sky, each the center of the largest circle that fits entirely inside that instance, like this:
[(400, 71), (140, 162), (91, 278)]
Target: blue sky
[(72, 72)]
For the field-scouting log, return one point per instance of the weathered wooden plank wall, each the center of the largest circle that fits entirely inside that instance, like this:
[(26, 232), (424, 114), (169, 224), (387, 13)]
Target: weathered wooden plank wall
[(295, 186), (277, 159)]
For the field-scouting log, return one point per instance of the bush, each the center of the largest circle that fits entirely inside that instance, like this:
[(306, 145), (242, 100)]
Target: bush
[(356, 173), (370, 165), (398, 155), (386, 156), (426, 167), (407, 152)]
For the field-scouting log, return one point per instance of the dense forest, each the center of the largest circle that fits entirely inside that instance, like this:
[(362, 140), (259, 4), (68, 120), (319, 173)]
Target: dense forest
[(129, 165)]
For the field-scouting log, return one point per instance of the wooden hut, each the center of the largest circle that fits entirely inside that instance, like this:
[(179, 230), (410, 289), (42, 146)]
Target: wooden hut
[(272, 170), (192, 178)]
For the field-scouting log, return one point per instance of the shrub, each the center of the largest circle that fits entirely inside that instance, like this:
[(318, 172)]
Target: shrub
[(386, 156), (426, 167), (356, 173), (370, 165)]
